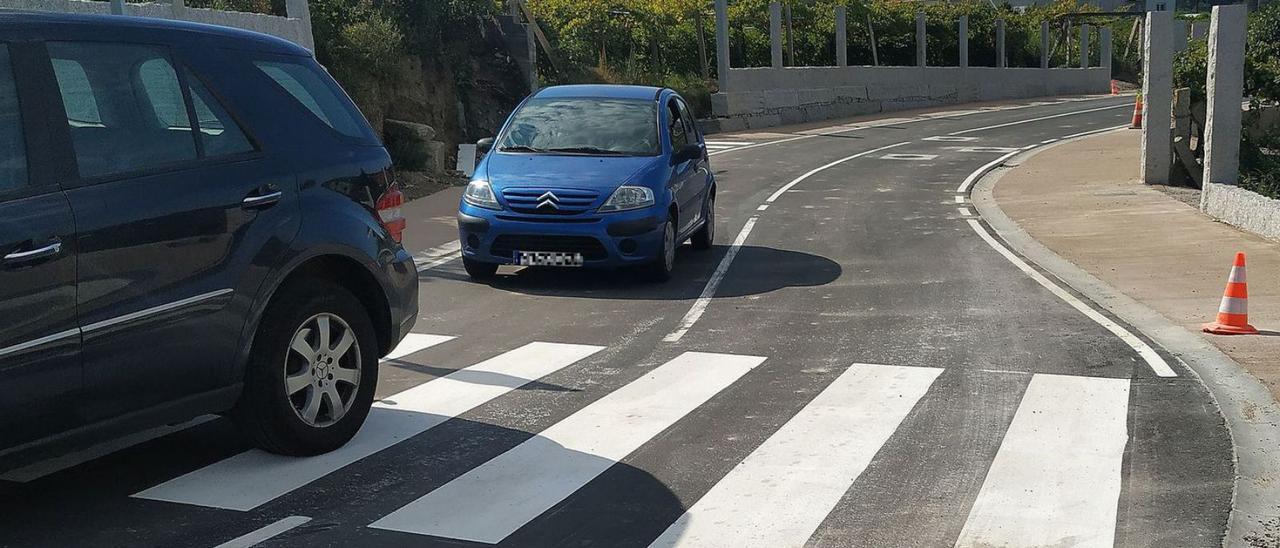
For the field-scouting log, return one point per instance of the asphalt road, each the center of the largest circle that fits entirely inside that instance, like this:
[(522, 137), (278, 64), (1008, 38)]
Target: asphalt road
[(856, 363)]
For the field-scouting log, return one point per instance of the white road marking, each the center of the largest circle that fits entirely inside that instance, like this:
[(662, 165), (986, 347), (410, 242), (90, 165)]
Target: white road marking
[(35, 471), (766, 143), (988, 149), (729, 143), (762, 207), (491, 501), (700, 305), (950, 139), (777, 193), (782, 491), (257, 537), (973, 177), (438, 255), (1030, 120), (964, 211), (1056, 479), (910, 157), (415, 342), (719, 147), (959, 199), (1153, 359), (253, 478), (1093, 131)]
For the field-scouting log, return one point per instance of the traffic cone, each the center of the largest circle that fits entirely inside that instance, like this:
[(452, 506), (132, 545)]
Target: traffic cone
[(1115, 87), (1137, 114), (1233, 313)]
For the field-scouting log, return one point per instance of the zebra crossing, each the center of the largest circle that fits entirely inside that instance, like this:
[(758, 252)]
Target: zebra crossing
[(1057, 473)]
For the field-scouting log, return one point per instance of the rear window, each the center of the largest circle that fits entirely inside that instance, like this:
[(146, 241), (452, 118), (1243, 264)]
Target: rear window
[(317, 92), (13, 149), (617, 126)]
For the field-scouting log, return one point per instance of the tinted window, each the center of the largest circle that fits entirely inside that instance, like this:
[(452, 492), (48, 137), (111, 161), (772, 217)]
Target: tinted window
[(317, 93), (124, 106), (690, 124), (576, 124), (219, 133), (675, 126), (13, 150)]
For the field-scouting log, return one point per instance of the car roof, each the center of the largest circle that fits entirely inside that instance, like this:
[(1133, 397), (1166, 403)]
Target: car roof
[(165, 29), (608, 91)]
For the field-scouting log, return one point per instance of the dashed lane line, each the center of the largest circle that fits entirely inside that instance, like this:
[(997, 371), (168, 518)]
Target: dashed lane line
[(1042, 118)]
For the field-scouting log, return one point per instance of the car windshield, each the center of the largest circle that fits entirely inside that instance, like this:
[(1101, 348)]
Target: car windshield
[(577, 125)]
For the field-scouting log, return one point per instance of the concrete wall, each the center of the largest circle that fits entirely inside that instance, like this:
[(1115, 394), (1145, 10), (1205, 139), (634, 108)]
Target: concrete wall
[(765, 97), (296, 27), (1242, 208)]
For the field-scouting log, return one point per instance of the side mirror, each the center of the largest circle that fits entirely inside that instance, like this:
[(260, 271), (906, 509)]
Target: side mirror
[(483, 146), (686, 153)]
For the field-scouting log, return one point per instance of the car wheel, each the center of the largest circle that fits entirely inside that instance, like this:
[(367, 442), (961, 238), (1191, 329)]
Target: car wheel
[(660, 269), (479, 270), (312, 371), (705, 236)]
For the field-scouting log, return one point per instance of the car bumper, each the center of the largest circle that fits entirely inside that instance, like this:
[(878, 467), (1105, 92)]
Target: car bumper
[(402, 294), (627, 238)]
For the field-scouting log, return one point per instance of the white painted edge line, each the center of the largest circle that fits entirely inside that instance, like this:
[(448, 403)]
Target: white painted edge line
[(910, 157), (1029, 120), (438, 255), (964, 211), (37, 470), (968, 181), (1158, 365), (1084, 133), (699, 306), (762, 207), (256, 537), (777, 193), (730, 143), (959, 199)]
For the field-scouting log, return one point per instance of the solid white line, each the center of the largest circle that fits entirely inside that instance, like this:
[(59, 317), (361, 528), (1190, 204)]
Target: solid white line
[(973, 177), (719, 147), (57, 464), (700, 305), (729, 143), (766, 143), (256, 537), (491, 501), (813, 172), (415, 342), (1153, 359), (1030, 120), (782, 491), (1056, 478), (253, 478), (1091, 132)]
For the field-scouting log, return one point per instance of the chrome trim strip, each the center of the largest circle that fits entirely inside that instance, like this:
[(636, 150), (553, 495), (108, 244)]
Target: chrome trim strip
[(155, 310), (39, 342)]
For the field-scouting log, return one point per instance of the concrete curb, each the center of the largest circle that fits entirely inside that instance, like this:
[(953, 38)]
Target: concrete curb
[(1252, 415)]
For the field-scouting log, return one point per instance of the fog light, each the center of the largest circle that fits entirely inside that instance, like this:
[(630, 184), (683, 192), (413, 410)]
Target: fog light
[(472, 241), (627, 246)]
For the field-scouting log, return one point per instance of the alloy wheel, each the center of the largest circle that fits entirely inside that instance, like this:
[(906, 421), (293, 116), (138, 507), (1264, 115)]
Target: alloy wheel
[(322, 370)]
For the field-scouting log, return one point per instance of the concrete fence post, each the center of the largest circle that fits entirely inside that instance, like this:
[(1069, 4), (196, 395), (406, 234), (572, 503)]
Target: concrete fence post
[(775, 34), (1180, 31), (842, 38), (722, 44), (964, 41), (1225, 85), (1157, 98), (1044, 44), (1104, 39), (1084, 46), (1002, 56), (922, 40), (179, 9)]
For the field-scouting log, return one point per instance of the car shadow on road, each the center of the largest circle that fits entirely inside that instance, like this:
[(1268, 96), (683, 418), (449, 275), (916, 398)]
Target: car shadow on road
[(772, 269), (479, 377)]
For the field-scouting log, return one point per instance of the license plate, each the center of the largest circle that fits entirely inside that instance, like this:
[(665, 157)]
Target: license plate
[(548, 258)]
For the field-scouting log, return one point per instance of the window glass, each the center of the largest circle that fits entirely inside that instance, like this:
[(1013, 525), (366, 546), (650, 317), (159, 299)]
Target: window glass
[(690, 125), (317, 93), (13, 148), (584, 125), (124, 106), (675, 127), (218, 131)]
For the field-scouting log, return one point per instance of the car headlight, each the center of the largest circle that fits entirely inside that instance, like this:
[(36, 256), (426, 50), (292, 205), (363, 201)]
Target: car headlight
[(480, 194), (627, 198)]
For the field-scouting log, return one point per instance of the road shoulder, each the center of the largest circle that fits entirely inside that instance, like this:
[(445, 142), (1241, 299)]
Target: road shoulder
[(1249, 408)]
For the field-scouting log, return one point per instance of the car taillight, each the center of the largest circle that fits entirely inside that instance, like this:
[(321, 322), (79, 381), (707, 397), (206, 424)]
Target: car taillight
[(389, 211)]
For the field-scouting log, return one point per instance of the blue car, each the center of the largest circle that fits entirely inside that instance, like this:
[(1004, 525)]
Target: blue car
[(590, 176)]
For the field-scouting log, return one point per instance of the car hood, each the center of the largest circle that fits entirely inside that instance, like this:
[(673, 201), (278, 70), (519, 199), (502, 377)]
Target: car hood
[(603, 173)]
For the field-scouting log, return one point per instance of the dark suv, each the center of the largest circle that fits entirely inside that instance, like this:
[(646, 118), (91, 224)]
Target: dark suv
[(193, 220)]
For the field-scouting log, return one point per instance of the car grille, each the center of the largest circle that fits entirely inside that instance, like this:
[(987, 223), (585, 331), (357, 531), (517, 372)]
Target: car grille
[(507, 244), (550, 201)]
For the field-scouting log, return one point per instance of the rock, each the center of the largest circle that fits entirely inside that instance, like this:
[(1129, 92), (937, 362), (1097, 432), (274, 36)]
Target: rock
[(410, 144)]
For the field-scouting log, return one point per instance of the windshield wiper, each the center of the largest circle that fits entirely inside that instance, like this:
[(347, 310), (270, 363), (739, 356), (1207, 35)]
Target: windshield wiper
[(587, 150), (521, 148)]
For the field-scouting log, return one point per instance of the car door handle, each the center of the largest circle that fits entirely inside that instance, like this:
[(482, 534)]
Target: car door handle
[(34, 254), (262, 200)]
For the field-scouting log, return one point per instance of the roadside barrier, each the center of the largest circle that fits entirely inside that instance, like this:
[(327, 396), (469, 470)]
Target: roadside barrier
[(1233, 313)]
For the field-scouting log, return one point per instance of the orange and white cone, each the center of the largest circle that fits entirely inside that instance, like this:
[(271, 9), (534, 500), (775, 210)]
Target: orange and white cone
[(1233, 313), (1137, 114)]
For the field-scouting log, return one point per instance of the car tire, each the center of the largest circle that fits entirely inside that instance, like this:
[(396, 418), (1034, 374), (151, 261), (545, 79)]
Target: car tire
[(660, 269), (281, 381), (479, 270), (705, 237)]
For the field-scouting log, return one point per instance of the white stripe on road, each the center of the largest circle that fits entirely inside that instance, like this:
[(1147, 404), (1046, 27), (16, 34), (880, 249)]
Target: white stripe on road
[(700, 305), (255, 538), (719, 147), (1030, 120), (1056, 479), (490, 502), (415, 342), (780, 494), (729, 143), (438, 255), (959, 199), (776, 194), (973, 177), (253, 478), (964, 211), (1153, 359), (766, 143)]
